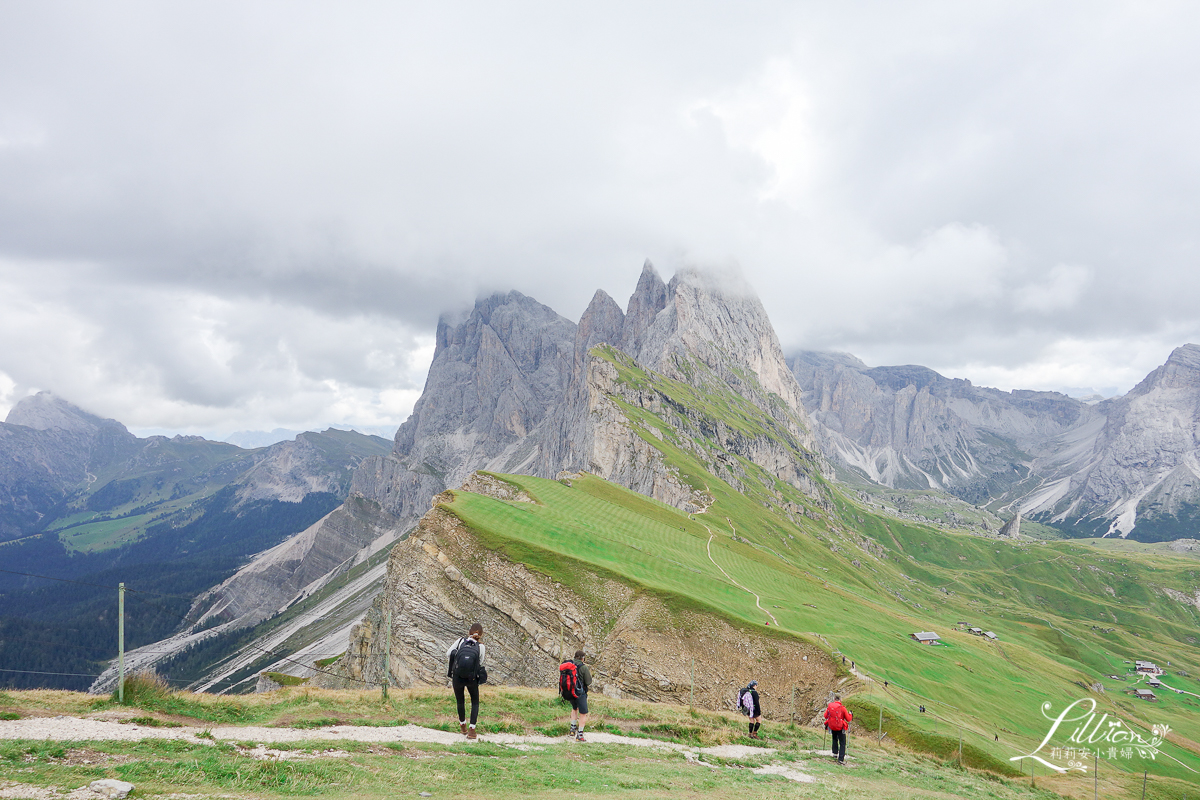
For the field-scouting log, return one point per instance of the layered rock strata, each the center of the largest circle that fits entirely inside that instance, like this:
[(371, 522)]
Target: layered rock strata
[(441, 579)]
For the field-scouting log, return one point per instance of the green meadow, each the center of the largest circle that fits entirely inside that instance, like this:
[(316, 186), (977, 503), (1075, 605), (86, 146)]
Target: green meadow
[(1067, 614)]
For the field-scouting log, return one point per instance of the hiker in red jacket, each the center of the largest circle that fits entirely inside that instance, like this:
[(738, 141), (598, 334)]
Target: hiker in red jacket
[(837, 720)]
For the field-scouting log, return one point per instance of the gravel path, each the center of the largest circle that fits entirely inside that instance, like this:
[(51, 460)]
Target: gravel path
[(78, 729), (75, 729)]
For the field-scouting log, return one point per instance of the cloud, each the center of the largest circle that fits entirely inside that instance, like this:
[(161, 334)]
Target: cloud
[(220, 215), (198, 362), (1060, 290)]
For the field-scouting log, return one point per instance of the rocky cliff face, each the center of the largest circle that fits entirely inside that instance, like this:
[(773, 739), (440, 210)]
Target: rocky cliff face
[(1141, 472), (1127, 466), (295, 568), (442, 579), (312, 462), (712, 336), (516, 388), (495, 376), (909, 427)]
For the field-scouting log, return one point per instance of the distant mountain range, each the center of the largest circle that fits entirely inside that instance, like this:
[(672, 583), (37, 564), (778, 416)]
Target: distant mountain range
[(1126, 466), (280, 551), (81, 498)]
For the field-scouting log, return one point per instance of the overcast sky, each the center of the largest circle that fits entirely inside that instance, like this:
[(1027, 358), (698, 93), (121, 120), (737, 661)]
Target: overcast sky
[(237, 216)]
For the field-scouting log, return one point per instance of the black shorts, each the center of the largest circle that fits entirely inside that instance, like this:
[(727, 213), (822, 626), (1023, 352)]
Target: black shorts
[(580, 703)]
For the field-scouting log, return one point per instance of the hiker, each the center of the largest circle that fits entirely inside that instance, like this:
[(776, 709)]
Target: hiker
[(574, 680), (748, 704), (466, 671), (837, 719)]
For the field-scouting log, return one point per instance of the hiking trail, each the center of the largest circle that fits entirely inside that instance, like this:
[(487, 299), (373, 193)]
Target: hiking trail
[(757, 599)]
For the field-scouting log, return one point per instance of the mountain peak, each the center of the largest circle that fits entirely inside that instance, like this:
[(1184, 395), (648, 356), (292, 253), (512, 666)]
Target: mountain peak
[(1187, 356), (649, 298), (45, 411), (1181, 371)]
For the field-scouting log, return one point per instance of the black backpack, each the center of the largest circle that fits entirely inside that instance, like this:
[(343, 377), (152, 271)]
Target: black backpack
[(744, 707), (466, 661)]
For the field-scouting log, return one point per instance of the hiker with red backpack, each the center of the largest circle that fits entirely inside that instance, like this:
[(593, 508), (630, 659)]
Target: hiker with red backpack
[(748, 704), (837, 720), (466, 671), (574, 680)]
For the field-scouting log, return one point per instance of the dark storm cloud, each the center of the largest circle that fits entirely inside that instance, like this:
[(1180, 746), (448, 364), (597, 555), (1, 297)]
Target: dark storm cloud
[(219, 216)]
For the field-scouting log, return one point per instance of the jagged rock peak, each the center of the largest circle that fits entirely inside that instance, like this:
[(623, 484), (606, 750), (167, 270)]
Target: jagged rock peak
[(495, 373), (602, 323), (648, 298), (717, 317), (45, 411), (1181, 371)]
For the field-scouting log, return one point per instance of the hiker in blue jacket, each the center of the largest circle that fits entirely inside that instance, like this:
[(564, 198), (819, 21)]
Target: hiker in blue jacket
[(466, 671)]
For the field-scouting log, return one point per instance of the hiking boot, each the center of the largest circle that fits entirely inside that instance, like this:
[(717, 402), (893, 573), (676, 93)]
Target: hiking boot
[(574, 729), (471, 733), (463, 726), (579, 737)]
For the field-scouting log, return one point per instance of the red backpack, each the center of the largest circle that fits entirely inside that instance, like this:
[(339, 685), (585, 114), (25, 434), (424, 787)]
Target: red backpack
[(568, 681)]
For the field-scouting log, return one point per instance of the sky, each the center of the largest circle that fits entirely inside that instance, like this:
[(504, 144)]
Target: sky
[(230, 216)]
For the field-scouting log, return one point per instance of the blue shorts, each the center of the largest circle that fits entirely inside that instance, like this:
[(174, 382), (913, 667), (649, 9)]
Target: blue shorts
[(580, 703)]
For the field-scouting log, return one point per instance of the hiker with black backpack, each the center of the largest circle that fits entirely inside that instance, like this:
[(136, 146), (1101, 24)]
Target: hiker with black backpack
[(466, 671), (574, 680), (748, 704)]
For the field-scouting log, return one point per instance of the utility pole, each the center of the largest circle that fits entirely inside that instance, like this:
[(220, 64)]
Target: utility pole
[(960, 747), (793, 705), (1096, 775), (121, 643), (1144, 774), (881, 720), (387, 654), (692, 696)]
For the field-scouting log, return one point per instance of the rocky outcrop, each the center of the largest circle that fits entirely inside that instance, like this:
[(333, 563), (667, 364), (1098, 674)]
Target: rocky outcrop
[(312, 462), (297, 567), (1126, 466), (442, 579), (1142, 470), (909, 427), (715, 337), (495, 376)]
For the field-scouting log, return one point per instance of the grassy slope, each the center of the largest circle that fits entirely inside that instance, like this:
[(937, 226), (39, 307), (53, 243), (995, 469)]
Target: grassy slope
[(202, 768), (1044, 600)]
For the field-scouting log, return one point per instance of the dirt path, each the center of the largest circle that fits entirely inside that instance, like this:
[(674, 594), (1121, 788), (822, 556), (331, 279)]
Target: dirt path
[(757, 599), (79, 729)]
